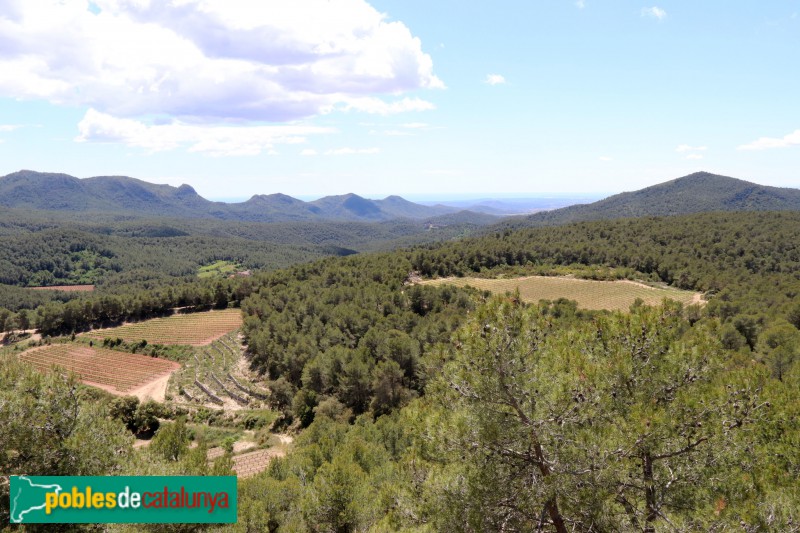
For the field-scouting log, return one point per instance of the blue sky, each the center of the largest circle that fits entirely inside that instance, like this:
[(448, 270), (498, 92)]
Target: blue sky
[(315, 97)]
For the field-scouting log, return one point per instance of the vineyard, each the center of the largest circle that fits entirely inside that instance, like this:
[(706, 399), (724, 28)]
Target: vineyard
[(595, 295), (251, 463), (120, 371), (194, 329)]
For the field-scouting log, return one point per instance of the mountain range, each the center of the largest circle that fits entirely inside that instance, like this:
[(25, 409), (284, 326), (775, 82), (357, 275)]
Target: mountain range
[(695, 193), (40, 191)]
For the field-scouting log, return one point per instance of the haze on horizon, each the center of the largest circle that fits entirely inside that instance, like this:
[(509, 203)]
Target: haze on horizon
[(421, 100)]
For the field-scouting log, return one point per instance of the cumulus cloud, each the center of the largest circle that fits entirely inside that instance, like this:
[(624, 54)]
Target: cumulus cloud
[(211, 61), (494, 79), (654, 12), (694, 156), (687, 148), (793, 139), (210, 140)]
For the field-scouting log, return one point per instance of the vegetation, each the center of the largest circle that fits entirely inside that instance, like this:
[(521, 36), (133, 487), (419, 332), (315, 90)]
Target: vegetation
[(218, 269), (439, 408), (121, 195), (348, 330), (700, 192)]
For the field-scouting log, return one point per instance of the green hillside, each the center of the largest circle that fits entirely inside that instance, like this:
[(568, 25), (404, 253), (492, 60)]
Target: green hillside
[(131, 197), (696, 193)]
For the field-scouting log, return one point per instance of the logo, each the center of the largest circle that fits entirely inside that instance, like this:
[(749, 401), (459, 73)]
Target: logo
[(123, 499)]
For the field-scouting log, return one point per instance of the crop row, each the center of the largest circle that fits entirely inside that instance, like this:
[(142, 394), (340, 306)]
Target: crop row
[(96, 356), (252, 463), (123, 371), (193, 329)]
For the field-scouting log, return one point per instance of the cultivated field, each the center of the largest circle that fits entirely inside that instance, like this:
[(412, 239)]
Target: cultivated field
[(595, 295), (251, 463), (116, 372), (194, 329)]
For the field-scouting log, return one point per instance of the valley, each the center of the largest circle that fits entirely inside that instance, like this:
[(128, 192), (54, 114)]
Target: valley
[(411, 364)]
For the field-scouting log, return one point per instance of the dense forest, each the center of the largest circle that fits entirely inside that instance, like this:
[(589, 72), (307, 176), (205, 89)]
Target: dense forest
[(425, 408)]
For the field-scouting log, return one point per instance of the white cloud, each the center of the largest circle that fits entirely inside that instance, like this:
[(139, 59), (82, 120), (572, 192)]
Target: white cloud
[(687, 148), (379, 107), (8, 127), (654, 12), (581, 4), (494, 79), (415, 125), (211, 61), (606, 158), (694, 156), (793, 139), (352, 151), (210, 140)]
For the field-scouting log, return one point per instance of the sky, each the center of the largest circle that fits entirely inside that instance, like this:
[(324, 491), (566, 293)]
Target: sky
[(409, 97)]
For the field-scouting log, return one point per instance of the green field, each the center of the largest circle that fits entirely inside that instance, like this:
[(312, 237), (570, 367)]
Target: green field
[(218, 269), (589, 294)]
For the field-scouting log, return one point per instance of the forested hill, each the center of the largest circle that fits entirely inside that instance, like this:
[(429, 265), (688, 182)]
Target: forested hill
[(129, 196), (700, 192)]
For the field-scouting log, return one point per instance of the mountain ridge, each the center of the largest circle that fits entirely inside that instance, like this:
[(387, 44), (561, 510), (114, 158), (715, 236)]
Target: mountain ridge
[(43, 191), (694, 193)]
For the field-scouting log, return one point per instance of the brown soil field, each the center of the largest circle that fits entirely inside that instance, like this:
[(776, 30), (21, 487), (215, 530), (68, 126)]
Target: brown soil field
[(115, 372)]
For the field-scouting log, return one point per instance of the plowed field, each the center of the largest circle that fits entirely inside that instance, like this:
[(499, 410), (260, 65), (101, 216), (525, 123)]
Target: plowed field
[(117, 372)]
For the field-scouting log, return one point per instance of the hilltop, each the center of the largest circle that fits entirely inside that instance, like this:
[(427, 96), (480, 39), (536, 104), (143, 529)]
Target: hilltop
[(700, 192)]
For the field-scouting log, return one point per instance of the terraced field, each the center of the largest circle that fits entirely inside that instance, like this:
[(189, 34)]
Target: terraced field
[(595, 295), (218, 375), (193, 329), (251, 463), (118, 372)]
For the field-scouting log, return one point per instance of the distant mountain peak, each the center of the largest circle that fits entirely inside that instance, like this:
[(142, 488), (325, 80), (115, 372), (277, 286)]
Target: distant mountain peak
[(185, 190)]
